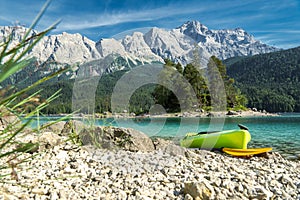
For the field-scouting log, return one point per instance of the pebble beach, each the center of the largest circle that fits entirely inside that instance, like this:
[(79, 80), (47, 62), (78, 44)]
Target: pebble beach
[(63, 170)]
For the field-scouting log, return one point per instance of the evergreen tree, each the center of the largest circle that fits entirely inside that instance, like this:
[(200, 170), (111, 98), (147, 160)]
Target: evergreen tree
[(197, 81), (221, 82), (163, 92), (174, 92)]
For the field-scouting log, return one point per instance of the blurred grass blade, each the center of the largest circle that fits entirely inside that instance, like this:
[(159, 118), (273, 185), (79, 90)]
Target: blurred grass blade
[(37, 19), (26, 100), (12, 136), (4, 49), (7, 71), (43, 105), (56, 121), (25, 39), (27, 147), (37, 39), (13, 59), (5, 100)]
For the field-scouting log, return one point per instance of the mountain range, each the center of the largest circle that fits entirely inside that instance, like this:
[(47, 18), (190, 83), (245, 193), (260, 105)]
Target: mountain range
[(153, 46), (267, 76)]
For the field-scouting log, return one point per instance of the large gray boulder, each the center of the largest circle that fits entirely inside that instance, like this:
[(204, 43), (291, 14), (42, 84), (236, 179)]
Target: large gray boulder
[(6, 119), (72, 127), (117, 138), (48, 140), (199, 190), (55, 128), (231, 112), (169, 147)]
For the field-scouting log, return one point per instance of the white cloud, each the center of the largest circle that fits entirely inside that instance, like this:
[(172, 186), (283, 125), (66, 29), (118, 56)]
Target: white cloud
[(95, 20), (280, 38), (2, 18), (278, 31), (25, 13), (278, 5), (85, 21)]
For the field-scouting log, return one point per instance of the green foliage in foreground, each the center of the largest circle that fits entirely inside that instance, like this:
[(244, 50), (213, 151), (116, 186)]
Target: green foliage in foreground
[(13, 104), (269, 81)]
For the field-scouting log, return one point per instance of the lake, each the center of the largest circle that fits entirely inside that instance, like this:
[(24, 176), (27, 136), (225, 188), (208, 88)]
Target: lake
[(280, 132)]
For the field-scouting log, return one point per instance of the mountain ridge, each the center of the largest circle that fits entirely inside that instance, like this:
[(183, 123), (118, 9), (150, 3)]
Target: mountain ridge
[(154, 46)]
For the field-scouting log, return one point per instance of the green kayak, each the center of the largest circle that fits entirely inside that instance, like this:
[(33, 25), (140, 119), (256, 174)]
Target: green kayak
[(237, 139)]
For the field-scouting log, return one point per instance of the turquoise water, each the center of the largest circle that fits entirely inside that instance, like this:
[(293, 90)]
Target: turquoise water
[(282, 132)]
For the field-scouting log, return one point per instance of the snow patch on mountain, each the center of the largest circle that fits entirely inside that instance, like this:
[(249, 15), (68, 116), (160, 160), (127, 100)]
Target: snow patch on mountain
[(136, 46), (109, 46), (66, 48), (169, 44)]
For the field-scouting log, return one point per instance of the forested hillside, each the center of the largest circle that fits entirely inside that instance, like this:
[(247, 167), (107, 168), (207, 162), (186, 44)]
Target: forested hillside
[(148, 95), (269, 81)]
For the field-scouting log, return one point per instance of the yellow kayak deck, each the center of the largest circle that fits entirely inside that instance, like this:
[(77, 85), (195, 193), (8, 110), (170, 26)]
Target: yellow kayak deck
[(246, 152)]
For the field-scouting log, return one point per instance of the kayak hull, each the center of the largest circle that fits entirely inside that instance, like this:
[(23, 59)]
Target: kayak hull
[(237, 139)]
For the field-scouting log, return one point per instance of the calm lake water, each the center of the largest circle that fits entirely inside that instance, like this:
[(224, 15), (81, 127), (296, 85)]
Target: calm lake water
[(281, 132)]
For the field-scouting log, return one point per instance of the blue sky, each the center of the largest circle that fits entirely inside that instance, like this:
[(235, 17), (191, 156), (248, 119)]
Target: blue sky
[(274, 22)]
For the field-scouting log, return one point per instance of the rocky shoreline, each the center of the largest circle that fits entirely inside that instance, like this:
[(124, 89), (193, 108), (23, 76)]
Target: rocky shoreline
[(128, 167), (201, 113)]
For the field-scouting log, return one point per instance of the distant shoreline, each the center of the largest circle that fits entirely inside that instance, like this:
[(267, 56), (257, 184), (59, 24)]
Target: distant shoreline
[(227, 114)]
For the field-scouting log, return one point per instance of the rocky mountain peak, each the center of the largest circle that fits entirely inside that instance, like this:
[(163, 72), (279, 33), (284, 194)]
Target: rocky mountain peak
[(17, 32), (107, 46), (66, 48), (193, 27), (138, 47)]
